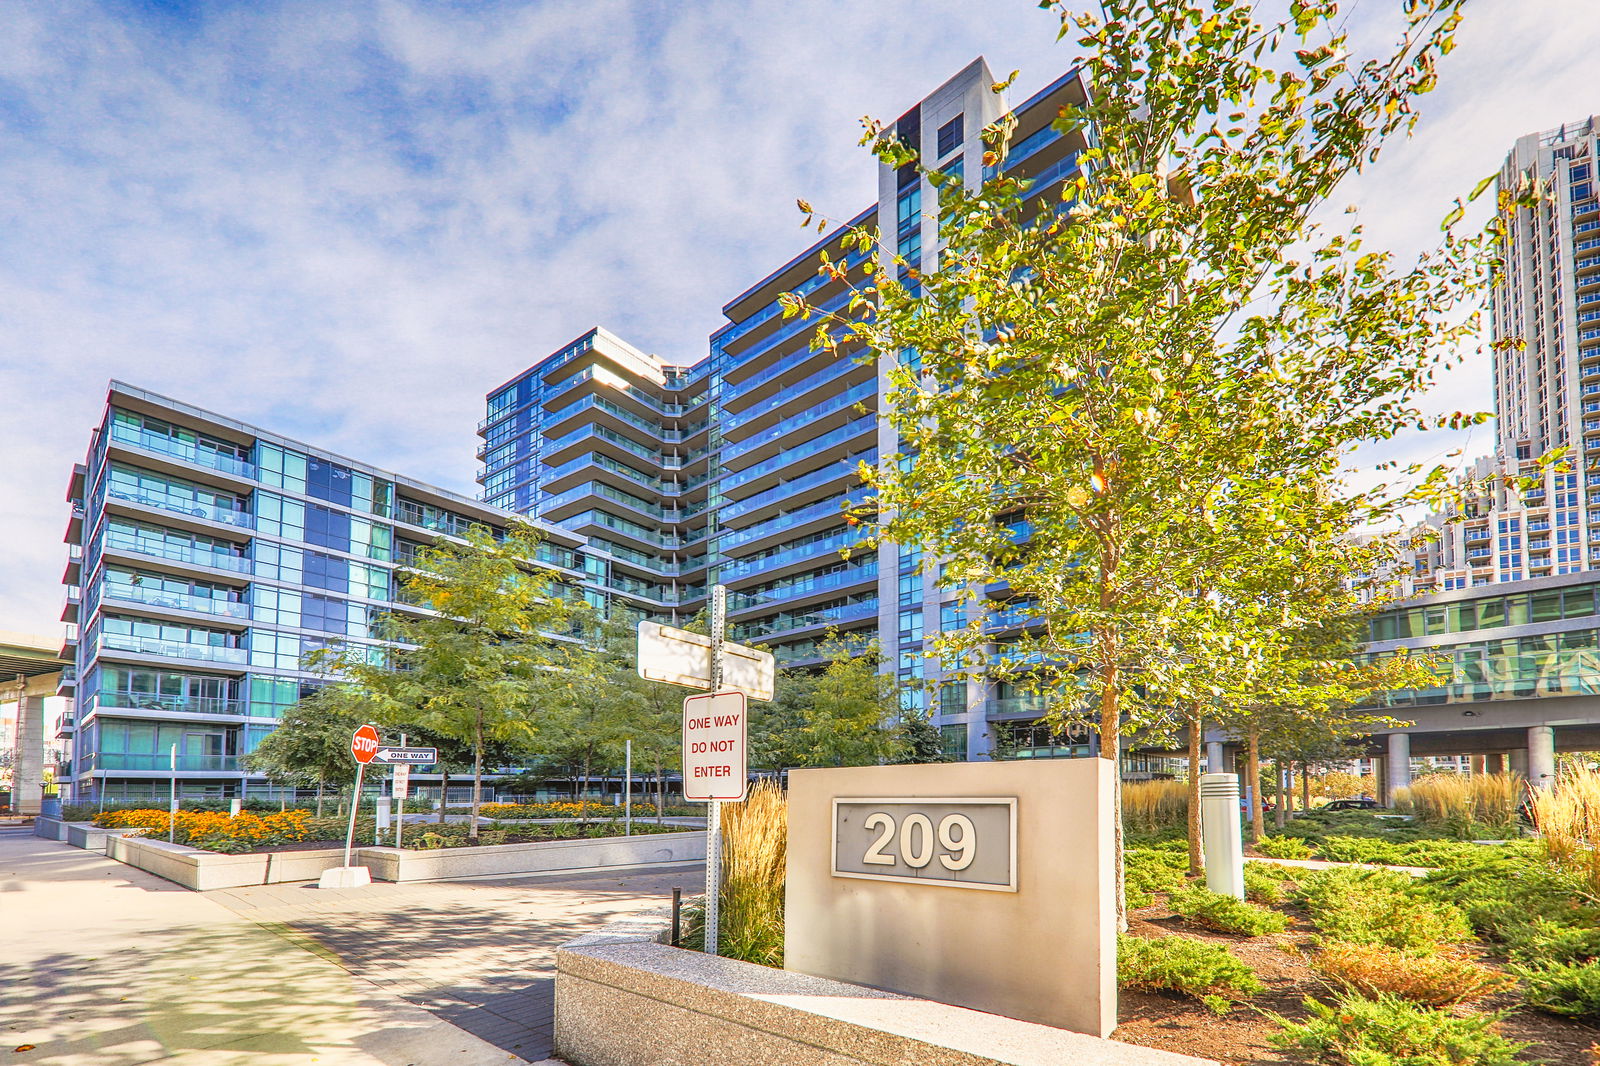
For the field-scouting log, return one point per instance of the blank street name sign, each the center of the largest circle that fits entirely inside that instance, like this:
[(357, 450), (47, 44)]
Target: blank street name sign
[(959, 843), (714, 748)]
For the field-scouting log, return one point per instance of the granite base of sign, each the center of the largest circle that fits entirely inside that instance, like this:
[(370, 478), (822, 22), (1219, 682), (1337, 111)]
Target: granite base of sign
[(204, 871), (624, 998), (90, 837), (345, 877), (439, 864)]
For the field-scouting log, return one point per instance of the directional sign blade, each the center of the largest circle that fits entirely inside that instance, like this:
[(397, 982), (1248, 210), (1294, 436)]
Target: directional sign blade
[(680, 657), (406, 755)]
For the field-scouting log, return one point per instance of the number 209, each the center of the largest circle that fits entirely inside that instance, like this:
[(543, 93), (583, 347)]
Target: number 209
[(956, 840)]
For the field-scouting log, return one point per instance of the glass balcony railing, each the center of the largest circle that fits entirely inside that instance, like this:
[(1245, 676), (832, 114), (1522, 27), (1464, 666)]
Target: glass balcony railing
[(109, 760), (149, 701), (845, 400), (790, 456), (832, 372), (621, 525), (601, 489), (173, 649), (184, 505), (775, 310), (185, 554), (605, 462), (821, 476), (188, 451), (776, 526), (652, 454), (788, 620), (179, 601), (755, 564), (1017, 705), (853, 575)]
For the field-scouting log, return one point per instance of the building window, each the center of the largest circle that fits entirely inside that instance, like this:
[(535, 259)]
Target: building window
[(950, 136), (954, 738)]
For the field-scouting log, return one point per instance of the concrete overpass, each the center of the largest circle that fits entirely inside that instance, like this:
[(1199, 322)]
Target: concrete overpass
[(30, 670)]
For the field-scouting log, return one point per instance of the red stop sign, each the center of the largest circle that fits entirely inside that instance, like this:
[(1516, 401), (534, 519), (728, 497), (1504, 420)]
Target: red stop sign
[(364, 744)]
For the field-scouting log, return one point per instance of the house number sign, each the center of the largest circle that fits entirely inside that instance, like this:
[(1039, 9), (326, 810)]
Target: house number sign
[(956, 842)]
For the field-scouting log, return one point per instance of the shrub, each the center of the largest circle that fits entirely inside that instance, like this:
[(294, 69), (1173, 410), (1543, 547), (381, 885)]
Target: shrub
[(1224, 913), (1385, 1030), (1379, 907), (755, 845), (1152, 805), (1536, 940), (1572, 989), (1263, 887), (1147, 871), (1436, 979), (1284, 847), (1193, 968)]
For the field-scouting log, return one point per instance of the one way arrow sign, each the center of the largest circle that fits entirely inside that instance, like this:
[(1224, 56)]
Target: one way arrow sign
[(407, 755)]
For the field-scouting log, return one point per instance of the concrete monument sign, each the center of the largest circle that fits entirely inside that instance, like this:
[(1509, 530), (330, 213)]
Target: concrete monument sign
[(986, 885)]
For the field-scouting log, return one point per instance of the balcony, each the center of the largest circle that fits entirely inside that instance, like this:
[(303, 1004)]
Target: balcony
[(156, 549), (177, 601), (792, 620), (193, 764), (790, 590), (833, 405), (185, 506), (831, 373), (1014, 705), (173, 649), (161, 444), (829, 508), (842, 468), (148, 701), (790, 456), (734, 569)]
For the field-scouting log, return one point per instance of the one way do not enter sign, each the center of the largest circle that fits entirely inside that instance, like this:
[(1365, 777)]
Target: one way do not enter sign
[(714, 747)]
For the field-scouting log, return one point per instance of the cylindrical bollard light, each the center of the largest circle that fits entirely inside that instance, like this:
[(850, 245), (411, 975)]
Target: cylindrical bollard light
[(1219, 833)]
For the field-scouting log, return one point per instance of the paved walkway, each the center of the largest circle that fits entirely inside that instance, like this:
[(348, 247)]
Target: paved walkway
[(103, 964)]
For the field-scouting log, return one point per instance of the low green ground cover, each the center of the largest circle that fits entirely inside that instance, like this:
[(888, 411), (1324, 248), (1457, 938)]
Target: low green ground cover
[(1386, 1030), (1194, 968)]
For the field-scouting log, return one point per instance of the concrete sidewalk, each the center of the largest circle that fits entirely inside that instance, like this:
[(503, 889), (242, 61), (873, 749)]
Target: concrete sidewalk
[(104, 964)]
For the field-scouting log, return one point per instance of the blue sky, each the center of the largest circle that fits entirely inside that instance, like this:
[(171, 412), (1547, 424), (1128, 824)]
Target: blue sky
[(345, 221)]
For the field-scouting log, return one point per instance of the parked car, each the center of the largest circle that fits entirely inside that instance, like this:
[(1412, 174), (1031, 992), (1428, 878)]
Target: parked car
[(1364, 803)]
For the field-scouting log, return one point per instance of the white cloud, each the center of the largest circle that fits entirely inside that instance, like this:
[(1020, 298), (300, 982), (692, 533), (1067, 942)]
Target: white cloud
[(347, 221)]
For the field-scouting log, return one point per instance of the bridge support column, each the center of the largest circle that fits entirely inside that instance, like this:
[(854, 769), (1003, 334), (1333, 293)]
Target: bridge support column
[(1397, 764), (1214, 757), (1517, 761), (1541, 756)]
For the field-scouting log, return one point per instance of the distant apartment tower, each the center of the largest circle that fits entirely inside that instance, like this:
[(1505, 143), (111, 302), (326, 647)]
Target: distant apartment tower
[(1545, 327), (735, 467), (208, 557)]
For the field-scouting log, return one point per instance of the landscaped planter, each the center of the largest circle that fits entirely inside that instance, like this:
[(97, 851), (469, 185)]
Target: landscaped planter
[(90, 837), (207, 870), (52, 828), (392, 864)]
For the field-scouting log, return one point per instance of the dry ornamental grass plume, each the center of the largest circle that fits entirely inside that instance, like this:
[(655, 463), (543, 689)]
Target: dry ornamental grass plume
[(1437, 979), (1153, 805), (1568, 818), (1463, 799), (755, 838)]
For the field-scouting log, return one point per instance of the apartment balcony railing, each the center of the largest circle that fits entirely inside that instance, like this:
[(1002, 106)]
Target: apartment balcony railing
[(786, 621), (855, 575), (784, 490), (755, 564), (605, 462), (187, 506), (173, 649), (785, 458), (652, 454), (110, 760), (1017, 705), (162, 444), (621, 525), (775, 526), (162, 550), (845, 400), (148, 701), (180, 601), (832, 372), (601, 489)]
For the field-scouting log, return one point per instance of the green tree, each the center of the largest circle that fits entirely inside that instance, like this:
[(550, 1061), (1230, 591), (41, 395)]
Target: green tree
[(598, 699), (311, 746), (1165, 339), (853, 716), (475, 666), (920, 740)]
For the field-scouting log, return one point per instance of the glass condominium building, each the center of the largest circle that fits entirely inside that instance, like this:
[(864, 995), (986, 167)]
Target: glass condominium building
[(733, 466), (207, 557)]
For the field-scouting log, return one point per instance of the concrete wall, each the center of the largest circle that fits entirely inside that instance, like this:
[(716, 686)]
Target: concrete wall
[(51, 828), (90, 837), (204, 871), (624, 998), (1044, 953), (391, 864)]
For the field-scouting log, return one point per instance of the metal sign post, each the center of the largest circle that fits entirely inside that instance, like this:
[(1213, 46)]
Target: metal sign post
[(719, 625), (627, 789), (363, 745), (172, 810), (401, 787)]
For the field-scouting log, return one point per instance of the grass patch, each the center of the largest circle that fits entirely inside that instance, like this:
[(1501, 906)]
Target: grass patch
[(1224, 913), (1434, 979), (1193, 968), (1385, 1030)]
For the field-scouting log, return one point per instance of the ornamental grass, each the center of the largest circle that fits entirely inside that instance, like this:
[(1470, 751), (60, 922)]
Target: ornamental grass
[(1153, 805), (1464, 801), (1568, 819), (755, 845)]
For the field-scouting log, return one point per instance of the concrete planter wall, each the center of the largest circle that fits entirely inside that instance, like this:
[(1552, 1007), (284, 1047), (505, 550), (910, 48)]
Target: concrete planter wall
[(624, 998), (207, 870), (391, 864), (90, 837), (52, 828)]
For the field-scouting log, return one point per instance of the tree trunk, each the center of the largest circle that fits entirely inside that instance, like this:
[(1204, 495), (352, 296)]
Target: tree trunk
[(1110, 748), (1281, 815), (1253, 769), (477, 776), (583, 787), (319, 797), (1305, 787), (1196, 861), (444, 792), (661, 805)]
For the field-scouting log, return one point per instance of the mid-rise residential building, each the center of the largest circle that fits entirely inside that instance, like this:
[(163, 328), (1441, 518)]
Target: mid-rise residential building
[(208, 557), (734, 466)]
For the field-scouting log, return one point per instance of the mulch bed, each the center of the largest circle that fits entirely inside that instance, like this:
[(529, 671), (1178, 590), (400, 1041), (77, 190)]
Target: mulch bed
[(1174, 1023)]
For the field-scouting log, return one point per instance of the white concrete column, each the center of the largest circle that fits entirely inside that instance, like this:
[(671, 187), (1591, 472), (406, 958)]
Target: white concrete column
[(1517, 761), (1398, 763), (28, 768), (1214, 757), (1541, 756)]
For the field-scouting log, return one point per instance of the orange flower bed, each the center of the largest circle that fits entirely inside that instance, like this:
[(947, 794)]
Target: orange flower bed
[(213, 830), (559, 809)]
